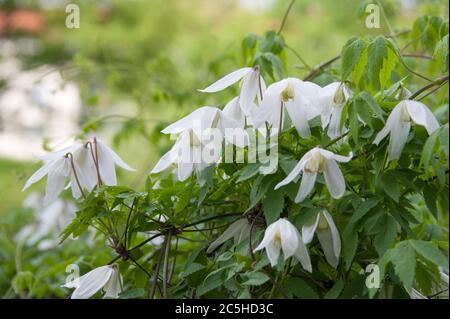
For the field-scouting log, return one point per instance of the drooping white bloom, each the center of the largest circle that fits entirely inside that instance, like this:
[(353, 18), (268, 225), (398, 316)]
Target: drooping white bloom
[(75, 164), (399, 122), (59, 169), (297, 97), (252, 86), (282, 235), (107, 159), (106, 277), (202, 119), (332, 101), (239, 230), (315, 161), (187, 155), (323, 225)]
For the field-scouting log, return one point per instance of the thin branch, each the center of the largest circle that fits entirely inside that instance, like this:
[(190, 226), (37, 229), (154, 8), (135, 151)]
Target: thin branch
[(316, 70), (155, 278), (172, 266), (298, 57), (74, 171), (166, 265), (211, 218), (285, 16), (436, 82)]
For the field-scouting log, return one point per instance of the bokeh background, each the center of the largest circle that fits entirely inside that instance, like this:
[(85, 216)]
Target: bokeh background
[(132, 67)]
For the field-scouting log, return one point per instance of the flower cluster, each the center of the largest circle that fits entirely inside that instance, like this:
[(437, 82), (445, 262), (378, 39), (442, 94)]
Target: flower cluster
[(272, 107), (199, 136)]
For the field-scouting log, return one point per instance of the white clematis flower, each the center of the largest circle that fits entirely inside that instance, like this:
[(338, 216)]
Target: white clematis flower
[(323, 225), (399, 122), (186, 155), (76, 164), (106, 277), (332, 99), (203, 119), (58, 169), (252, 86), (107, 159), (315, 161), (238, 230), (297, 97), (282, 235)]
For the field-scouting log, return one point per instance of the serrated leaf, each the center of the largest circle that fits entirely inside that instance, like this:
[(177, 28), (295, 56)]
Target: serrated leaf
[(351, 54), (428, 251), (273, 204)]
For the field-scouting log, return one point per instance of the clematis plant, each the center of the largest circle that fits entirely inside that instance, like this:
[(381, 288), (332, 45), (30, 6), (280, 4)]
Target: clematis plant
[(332, 101), (297, 97), (82, 166), (323, 225), (282, 235), (399, 122), (316, 161), (106, 278), (252, 85)]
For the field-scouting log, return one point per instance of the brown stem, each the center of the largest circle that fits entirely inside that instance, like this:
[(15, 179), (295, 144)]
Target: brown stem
[(74, 171), (172, 266), (166, 265), (96, 162), (285, 16), (436, 82), (314, 72), (155, 278)]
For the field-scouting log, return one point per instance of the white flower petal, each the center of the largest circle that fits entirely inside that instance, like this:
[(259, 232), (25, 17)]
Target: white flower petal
[(336, 157), (113, 286), (309, 228), (336, 247), (103, 148), (185, 170), (249, 90), (39, 174), (422, 115), (298, 116), (106, 166), (294, 173), (289, 238), (306, 185), (227, 80), (92, 282), (334, 128), (302, 254), (273, 252), (393, 119), (164, 162), (334, 179), (269, 235)]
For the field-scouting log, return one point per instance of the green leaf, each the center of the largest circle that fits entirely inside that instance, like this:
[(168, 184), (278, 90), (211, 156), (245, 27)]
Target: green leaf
[(190, 268), (387, 233), (389, 184), (403, 258), (300, 289), (350, 244), (377, 52), (132, 293), (351, 53), (273, 204), (363, 209), (388, 66), (334, 292), (428, 251), (256, 279)]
